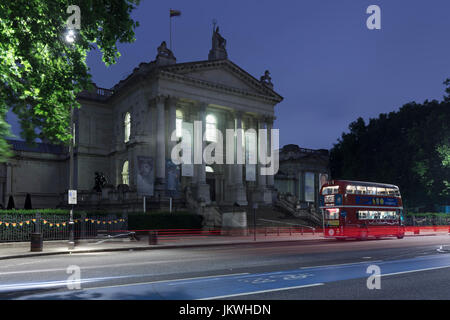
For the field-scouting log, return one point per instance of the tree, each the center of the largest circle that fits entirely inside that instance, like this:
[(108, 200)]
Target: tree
[(40, 73), (409, 148)]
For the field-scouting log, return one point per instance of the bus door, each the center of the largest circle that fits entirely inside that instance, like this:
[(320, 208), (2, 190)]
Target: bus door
[(332, 222)]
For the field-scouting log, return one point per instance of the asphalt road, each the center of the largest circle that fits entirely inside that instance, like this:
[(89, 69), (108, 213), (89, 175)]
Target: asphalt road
[(410, 268)]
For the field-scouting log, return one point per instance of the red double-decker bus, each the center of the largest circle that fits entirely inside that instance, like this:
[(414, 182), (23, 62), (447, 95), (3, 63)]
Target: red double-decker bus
[(355, 209)]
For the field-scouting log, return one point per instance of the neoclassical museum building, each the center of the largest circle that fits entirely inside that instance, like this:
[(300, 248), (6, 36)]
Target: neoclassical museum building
[(124, 134)]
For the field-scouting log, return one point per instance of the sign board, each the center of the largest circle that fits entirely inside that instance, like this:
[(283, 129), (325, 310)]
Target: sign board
[(145, 175), (72, 196)]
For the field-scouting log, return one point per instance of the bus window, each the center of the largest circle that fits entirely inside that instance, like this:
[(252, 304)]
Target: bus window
[(361, 190), (331, 214), (330, 190), (372, 190), (363, 215), (350, 189), (388, 215), (381, 191)]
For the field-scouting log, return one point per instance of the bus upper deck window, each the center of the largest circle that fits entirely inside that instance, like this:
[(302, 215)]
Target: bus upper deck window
[(381, 191), (371, 190), (351, 189), (330, 190), (361, 190)]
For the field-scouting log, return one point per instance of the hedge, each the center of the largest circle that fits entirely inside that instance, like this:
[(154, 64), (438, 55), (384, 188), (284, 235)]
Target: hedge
[(136, 220), (141, 221)]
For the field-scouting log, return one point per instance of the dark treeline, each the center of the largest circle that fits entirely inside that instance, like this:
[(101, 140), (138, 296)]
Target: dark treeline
[(409, 148)]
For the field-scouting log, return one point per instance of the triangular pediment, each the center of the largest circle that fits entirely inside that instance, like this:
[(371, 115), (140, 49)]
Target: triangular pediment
[(223, 73)]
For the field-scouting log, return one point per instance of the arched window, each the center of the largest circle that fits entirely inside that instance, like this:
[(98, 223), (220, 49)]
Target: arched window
[(211, 127), (125, 173), (127, 126), (179, 123)]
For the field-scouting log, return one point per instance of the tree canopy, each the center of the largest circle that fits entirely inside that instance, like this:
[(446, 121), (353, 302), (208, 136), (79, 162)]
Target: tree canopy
[(409, 148), (40, 73)]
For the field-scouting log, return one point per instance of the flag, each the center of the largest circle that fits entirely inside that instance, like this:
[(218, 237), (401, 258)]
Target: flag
[(175, 13)]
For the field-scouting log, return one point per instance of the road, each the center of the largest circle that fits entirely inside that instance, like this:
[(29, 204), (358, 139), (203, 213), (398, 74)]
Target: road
[(411, 268)]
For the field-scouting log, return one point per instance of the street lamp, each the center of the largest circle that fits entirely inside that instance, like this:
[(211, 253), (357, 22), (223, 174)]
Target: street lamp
[(70, 39), (70, 36)]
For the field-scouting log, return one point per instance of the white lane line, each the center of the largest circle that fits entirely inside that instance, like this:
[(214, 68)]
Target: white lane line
[(173, 280), (100, 266), (342, 264), (411, 271), (57, 283), (263, 291)]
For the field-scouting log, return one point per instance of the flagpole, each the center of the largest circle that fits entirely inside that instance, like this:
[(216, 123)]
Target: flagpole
[(170, 30)]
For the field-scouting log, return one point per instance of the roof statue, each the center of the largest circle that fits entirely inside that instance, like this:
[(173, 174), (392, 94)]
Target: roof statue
[(165, 55), (218, 50), (266, 79), (218, 41)]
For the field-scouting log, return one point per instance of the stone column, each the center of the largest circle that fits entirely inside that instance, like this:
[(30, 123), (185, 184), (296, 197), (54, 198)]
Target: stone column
[(160, 144), (202, 166), (240, 194), (172, 124), (263, 194), (201, 186), (240, 152), (229, 168), (270, 178), (302, 186), (261, 178)]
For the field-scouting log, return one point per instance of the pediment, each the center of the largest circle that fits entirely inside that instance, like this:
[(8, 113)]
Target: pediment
[(225, 74)]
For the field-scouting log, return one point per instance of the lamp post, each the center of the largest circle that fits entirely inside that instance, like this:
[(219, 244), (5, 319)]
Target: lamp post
[(70, 39), (255, 206)]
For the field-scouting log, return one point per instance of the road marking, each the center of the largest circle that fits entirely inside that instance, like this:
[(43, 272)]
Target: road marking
[(100, 266), (263, 291), (411, 271), (342, 264), (173, 280), (57, 283)]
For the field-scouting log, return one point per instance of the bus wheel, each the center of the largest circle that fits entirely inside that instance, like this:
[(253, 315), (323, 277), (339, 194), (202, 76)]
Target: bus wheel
[(400, 236)]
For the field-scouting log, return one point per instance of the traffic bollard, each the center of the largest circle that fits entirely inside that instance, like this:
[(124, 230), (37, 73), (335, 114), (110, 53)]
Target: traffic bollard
[(37, 242)]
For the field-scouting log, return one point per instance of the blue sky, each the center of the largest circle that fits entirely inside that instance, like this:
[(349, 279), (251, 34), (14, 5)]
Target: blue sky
[(323, 60)]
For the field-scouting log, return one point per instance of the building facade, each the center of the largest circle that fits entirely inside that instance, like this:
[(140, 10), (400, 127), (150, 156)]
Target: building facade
[(127, 134), (302, 173)]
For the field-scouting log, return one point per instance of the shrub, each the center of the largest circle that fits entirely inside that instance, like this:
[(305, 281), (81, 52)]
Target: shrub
[(161, 220)]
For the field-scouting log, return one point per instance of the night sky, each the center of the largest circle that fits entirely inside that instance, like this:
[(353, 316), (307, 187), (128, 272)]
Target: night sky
[(323, 60)]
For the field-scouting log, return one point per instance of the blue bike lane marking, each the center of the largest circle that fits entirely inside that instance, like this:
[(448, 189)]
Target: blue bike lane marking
[(236, 285), (204, 288)]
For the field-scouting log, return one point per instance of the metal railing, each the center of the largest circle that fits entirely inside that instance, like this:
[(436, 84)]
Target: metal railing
[(56, 227)]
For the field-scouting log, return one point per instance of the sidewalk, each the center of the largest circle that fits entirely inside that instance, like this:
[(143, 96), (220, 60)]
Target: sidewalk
[(13, 250)]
